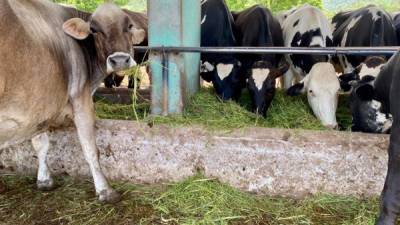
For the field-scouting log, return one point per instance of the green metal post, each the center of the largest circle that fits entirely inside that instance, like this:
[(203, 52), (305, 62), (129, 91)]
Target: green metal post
[(191, 13), (173, 23)]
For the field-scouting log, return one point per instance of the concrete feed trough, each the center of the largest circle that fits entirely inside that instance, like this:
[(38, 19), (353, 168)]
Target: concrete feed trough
[(291, 163)]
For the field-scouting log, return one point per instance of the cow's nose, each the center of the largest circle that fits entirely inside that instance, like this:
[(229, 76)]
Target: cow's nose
[(332, 126), (119, 61)]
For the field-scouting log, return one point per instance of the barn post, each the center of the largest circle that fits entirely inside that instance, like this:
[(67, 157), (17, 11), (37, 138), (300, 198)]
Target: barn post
[(191, 13), (173, 23)]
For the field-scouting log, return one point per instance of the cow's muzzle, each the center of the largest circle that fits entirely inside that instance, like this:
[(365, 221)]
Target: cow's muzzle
[(119, 61)]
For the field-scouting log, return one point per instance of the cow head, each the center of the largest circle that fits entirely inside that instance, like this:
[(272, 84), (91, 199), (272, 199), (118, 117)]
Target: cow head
[(322, 87), (113, 33), (370, 67), (367, 112), (225, 76), (261, 85)]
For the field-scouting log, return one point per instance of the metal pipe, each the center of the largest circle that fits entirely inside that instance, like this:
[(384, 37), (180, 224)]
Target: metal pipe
[(280, 50)]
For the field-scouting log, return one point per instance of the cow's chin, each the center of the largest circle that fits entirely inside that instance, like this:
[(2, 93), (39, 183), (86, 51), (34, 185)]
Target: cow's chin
[(119, 61)]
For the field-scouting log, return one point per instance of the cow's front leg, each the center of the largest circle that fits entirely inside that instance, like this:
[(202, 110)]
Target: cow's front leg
[(41, 144), (390, 199), (84, 118)]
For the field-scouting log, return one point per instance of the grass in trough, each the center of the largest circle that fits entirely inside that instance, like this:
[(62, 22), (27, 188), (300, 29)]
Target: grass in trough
[(206, 109), (194, 201)]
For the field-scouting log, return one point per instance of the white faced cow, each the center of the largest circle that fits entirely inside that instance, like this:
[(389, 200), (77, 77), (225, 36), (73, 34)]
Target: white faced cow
[(223, 70), (256, 27), (52, 59), (307, 26)]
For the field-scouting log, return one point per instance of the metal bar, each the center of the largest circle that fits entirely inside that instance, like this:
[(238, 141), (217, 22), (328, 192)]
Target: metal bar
[(280, 50)]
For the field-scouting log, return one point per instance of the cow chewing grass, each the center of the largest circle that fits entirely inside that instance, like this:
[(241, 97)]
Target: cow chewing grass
[(205, 109)]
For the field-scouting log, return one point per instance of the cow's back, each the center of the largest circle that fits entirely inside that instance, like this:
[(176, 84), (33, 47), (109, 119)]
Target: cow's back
[(366, 27), (306, 26), (257, 27), (304, 19), (33, 68), (217, 28)]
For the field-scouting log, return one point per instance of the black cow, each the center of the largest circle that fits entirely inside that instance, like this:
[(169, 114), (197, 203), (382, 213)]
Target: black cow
[(217, 31), (369, 26), (385, 90), (256, 27), (396, 21)]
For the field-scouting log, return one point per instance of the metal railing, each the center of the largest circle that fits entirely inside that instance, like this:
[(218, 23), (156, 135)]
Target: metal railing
[(362, 51)]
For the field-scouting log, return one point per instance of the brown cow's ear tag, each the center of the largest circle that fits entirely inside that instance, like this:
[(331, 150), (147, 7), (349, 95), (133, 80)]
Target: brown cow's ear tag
[(77, 28), (138, 36)]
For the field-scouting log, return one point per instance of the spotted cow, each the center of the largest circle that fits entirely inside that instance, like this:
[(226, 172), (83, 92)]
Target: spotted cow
[(369, 26), (370, 67), (307, 26)]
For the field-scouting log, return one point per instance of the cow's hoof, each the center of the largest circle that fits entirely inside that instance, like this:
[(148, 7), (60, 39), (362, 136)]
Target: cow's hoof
[(109, 196), (46, 185)]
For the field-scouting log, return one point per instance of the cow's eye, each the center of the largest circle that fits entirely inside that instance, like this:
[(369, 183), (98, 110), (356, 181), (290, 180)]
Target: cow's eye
[(130, 26)]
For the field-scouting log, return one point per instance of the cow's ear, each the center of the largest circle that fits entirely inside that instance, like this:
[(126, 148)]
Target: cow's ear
[(77, 28), (283, 68), (296, 89), (365, 92), (357, 70), (138, 36)]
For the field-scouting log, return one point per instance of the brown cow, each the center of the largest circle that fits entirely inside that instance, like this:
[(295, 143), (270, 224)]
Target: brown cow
[(52, 59), (141, 21)]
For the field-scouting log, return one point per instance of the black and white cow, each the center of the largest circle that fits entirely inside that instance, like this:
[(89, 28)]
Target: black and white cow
[(307, 26), (370, 67), (368, 115), (369, 26), (223, 70), (257, 27), (385, 90)]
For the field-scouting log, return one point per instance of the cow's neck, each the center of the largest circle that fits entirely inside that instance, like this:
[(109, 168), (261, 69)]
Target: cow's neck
[(95, 65)]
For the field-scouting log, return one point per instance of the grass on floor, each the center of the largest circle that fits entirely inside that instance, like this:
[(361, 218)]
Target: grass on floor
[(194, 201), (206, 109)]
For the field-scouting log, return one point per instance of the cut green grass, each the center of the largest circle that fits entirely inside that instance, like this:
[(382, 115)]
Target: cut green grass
[(196, 200), (207, 110)]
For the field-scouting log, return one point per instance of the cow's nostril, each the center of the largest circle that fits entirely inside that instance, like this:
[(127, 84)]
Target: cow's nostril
[(113, 62)]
